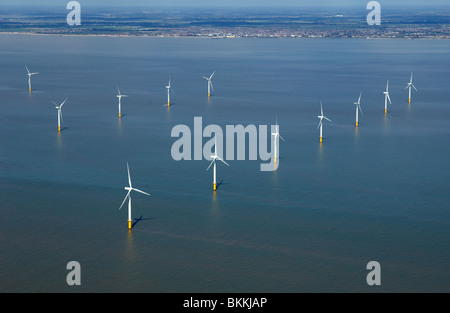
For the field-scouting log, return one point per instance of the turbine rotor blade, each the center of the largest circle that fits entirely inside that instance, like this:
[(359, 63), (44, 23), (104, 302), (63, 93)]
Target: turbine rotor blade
[(281, 137), (143, 192), (63, 102), (223, 161), (129, 177), (415, 88), (214, 160), (327, 119), (125, 199)]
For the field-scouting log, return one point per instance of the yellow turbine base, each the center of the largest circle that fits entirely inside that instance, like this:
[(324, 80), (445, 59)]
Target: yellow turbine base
[(356, 123), (275, 160), (409, 100), (120, 115), (320, 139), (168, 104), (385, 111), (59, 129), (214, 187), (129, 224), (29, 89), (209, 95)]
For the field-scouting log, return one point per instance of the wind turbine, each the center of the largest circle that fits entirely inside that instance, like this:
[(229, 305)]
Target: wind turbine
[(321, 117), (358, 107), (168, 93), (120, 98), (60, 117), (29, 78), (214, 158), (276, 134), (210, 86), (386, 97), (409, 85), (128, 196)]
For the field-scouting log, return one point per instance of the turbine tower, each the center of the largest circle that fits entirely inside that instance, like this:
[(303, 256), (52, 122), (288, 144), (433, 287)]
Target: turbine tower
[(409, 85), (60, 117), (168, 93), (29, 78), (128, 196), (210, 86), (120, 98), (321, 117), (214, 158), (386, 98), (276, 134), (358, 107)]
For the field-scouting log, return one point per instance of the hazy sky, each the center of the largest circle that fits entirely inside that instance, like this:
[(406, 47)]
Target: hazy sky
[(227, 3)]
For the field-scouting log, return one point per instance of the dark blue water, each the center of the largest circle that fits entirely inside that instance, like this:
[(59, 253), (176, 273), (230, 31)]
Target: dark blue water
[(380, 192)]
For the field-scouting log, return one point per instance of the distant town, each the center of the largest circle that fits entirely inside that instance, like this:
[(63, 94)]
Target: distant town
[(415, 23)]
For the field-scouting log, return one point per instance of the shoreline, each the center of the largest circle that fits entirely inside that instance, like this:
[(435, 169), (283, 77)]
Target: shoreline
[(213, 37)]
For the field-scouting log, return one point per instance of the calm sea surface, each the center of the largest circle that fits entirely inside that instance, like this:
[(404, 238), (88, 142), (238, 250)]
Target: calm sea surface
[(379, 193)]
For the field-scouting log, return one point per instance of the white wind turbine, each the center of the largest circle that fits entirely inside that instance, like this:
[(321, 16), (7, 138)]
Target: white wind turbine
[(321, 117), (358, 107), (276, 134), (120, 98), (29, 78), (60, 118), (210, 86), (128, 196), (386, 97), (214, 158), (409, 85), (168, 93)]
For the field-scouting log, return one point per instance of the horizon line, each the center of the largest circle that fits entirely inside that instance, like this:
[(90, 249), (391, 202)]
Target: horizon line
[(334, 6)]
